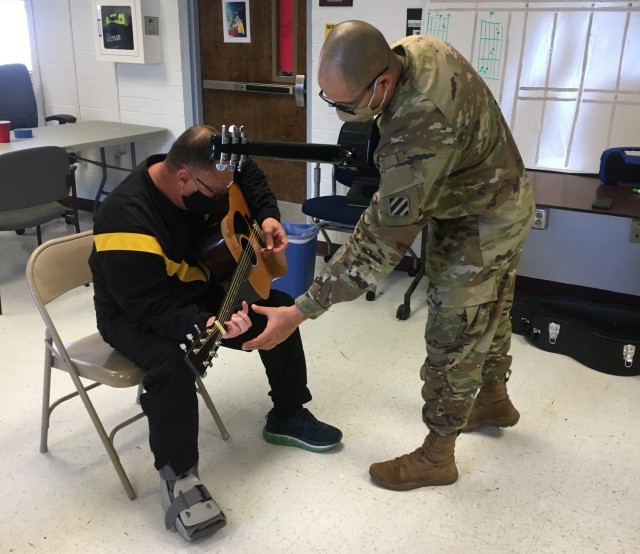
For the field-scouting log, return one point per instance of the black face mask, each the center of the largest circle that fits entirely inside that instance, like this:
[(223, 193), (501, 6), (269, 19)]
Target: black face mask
[(201, 204)]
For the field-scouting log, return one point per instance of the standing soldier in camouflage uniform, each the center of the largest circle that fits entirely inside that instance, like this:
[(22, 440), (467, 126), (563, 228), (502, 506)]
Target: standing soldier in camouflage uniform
[(448, 161)]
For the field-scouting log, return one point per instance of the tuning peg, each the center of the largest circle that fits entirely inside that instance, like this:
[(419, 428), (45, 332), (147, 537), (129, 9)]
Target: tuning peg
[(222, 164), (183, 346), (189, 336), (243, 140), (224, 139)]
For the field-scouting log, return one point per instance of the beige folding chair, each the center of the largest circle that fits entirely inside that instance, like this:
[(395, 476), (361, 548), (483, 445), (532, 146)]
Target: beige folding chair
[(55, 268)]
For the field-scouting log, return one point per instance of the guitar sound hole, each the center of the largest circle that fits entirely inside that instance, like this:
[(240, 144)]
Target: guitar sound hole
[(246, 247), (240, 224)]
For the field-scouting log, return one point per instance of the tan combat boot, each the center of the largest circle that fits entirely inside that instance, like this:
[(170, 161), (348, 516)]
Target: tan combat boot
[(430, 465), (492, 407)]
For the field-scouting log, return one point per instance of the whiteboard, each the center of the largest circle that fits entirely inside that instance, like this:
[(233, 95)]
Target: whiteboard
[(565, 74)]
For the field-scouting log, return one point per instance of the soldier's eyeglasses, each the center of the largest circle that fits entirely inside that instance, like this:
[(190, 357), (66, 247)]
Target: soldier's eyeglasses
[(350, 107)]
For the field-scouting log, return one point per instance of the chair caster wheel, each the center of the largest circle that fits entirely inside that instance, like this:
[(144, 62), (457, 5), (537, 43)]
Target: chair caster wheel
[(20, 231), (328, 257), (370, 295), (412, 272), (403, 312), (69, 220)]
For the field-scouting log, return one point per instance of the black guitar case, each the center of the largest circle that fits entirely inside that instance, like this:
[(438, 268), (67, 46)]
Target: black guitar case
[(604, 337)]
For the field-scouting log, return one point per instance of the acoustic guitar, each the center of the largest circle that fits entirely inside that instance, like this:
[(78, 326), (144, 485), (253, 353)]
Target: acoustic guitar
[(232, 247)]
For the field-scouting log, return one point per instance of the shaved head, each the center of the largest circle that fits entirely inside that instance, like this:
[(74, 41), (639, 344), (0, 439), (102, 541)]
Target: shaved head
[(354, 51)]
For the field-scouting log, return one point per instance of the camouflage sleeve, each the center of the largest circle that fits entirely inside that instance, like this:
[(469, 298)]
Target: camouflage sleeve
[(416, 153), (412, 180), (369, 255)]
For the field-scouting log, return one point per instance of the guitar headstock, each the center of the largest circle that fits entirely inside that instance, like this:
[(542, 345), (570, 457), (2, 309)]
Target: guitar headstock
[(226, 148), (199, 350)]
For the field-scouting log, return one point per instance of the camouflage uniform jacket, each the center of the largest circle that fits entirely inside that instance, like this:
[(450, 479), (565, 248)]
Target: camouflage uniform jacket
[(447, 160)]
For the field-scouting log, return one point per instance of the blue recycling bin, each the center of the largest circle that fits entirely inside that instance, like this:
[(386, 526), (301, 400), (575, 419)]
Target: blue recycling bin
[(301, 259)]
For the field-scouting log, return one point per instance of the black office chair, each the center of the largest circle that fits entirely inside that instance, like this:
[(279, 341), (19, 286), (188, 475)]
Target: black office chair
[(32, 183), (341, 212), (18, 101)]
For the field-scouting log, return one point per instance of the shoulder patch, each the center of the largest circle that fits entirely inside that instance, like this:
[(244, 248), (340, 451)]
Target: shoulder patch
[(399, 206)]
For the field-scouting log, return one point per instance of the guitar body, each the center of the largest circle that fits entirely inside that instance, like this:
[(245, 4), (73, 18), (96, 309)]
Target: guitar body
[(226, 243)]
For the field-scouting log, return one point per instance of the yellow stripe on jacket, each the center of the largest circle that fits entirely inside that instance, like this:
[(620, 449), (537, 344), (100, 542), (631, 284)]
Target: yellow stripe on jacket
[(137, 242)]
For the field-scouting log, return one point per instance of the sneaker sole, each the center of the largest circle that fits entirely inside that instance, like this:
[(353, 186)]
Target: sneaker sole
[(285, 440)]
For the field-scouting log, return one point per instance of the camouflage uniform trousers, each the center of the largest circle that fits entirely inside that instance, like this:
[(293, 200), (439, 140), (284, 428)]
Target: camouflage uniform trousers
[(466, 348)]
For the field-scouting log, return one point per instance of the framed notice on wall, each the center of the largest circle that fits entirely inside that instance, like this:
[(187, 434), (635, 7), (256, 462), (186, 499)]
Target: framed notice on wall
[(235, 21)]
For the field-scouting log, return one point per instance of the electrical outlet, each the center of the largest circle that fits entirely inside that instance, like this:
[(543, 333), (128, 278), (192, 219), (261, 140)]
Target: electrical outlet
[(541, 218), (634, 235)]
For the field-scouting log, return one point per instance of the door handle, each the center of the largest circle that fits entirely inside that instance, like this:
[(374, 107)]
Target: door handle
[(297, 90), (300, 91)]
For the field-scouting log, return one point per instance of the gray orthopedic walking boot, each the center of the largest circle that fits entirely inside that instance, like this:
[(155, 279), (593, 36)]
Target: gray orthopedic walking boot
[(493, 408), (190, 508)]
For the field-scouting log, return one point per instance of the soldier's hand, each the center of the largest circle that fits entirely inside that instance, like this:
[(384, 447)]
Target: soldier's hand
[(281, 323)]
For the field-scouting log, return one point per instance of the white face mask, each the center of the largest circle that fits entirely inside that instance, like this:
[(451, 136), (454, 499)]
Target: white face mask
[(366, 112)]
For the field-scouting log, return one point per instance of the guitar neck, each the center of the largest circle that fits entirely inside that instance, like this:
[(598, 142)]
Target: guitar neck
[(295, 151)]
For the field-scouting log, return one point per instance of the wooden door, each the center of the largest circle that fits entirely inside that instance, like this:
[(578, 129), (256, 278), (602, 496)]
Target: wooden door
[(265, 116)]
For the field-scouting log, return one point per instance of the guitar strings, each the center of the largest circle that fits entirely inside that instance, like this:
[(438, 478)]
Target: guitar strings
[(238, 278)]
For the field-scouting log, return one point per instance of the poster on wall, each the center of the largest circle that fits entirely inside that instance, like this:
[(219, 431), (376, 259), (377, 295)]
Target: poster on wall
[(236, 26)]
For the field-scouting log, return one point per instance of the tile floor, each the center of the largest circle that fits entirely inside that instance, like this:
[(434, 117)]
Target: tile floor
[(566, 479)]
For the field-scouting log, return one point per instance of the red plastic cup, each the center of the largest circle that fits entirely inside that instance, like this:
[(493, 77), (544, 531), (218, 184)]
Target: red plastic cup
[(5, 131)]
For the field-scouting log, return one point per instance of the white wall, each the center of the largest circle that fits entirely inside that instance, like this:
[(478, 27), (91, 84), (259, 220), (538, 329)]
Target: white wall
[(75, 82)]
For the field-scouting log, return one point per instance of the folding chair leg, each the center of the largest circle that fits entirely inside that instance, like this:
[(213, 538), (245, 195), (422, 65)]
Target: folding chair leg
[(216, 416), (111, 451), (46, 398), (39, 234)]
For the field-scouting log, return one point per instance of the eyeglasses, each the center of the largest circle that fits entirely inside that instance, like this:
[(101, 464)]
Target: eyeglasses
[(196, 178), (351, 107)]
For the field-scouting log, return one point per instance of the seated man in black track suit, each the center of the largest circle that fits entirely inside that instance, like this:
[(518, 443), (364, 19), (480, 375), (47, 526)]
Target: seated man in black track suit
[(150, 291)]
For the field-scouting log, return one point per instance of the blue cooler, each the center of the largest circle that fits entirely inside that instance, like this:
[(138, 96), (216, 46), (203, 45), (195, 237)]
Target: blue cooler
[(301, 259)]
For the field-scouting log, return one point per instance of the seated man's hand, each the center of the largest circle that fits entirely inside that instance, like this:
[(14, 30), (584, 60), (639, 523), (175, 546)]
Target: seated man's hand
[(275, 237), (282, 322), (238, 324)]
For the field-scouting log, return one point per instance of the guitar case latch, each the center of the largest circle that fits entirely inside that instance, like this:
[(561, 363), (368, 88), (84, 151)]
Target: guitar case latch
[(628, 352)]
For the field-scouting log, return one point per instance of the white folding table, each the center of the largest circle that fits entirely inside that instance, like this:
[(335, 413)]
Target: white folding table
[(85, 135)]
